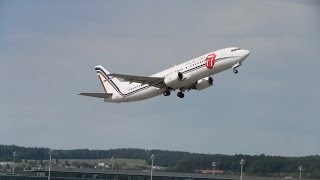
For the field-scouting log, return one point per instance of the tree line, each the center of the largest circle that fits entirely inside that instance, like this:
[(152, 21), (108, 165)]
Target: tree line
[(258, 165)]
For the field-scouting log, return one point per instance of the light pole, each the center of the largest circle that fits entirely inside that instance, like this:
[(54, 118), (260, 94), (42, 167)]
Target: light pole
[(50, 152), (213, 166), (14, 154), (152, 158), (112, 163), (300, 169), (241, 163)]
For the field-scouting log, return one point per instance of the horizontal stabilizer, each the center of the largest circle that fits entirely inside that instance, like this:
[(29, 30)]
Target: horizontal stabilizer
[(97, 95)]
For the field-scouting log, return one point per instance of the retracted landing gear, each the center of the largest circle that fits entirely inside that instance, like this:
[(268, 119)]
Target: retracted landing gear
[(166, 93), (180, 94)]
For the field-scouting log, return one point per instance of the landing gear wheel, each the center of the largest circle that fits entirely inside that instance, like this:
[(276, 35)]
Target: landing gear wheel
[(235, 71), (180, 94), (166, 93)]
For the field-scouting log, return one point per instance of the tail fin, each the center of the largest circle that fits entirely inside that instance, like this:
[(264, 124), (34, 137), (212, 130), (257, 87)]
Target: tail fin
[(110, 84)]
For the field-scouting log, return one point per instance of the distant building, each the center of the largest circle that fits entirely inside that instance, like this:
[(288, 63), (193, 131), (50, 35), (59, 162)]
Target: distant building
[(5, 163), (103, 165)]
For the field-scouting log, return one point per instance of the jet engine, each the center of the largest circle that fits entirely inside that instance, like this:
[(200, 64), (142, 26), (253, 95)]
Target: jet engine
[(204, 83), (173, 80)]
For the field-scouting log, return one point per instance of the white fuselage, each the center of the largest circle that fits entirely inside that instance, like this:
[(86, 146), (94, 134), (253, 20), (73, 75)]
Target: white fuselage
[(192, 71)]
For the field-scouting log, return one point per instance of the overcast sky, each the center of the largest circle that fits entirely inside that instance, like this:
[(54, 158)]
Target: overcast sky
[(48, 50)]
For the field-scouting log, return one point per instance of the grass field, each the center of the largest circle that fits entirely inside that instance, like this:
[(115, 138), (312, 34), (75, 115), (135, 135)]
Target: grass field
[(129, 162)]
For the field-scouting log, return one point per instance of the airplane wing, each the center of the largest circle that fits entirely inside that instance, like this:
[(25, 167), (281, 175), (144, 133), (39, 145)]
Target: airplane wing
[(152, 81), (97, 95)]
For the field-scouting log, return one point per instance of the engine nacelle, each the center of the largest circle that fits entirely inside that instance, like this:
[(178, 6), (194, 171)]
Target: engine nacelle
[(173, 79), (204, 83)]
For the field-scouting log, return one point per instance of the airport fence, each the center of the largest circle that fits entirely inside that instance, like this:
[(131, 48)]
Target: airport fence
[(18, 177)]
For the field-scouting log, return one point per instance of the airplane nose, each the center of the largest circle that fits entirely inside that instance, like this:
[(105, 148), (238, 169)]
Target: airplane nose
[(246, 53)]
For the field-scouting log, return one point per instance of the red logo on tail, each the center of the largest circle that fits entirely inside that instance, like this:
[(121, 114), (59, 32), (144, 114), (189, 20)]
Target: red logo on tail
[(210, 60)]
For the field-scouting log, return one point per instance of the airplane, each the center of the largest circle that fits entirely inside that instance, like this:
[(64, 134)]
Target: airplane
[(191, 75)]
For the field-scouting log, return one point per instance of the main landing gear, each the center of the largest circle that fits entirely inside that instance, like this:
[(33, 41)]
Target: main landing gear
[(180, 94), (166, 93)]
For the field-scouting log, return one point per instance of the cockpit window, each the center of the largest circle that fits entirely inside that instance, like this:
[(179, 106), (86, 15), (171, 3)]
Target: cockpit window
[(236, 49)]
